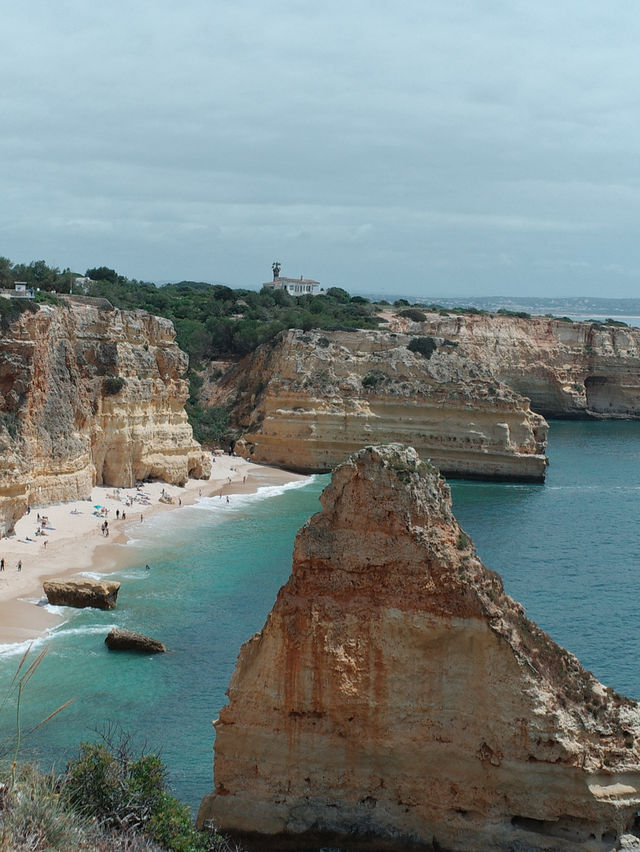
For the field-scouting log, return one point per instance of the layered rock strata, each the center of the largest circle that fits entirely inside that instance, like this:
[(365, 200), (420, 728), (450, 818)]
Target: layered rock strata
[(397, 698), (90, 396), (99, 594), (567, 369), (309, 399)]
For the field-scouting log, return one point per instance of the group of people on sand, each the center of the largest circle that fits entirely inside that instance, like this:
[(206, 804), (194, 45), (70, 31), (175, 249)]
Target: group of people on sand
[(18, 566)]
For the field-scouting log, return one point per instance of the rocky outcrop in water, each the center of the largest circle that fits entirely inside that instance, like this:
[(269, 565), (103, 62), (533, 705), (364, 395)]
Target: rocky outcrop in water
[(129, 640), (90, 396), (307, 400), (397, 698), (99, 594), (568, 370)]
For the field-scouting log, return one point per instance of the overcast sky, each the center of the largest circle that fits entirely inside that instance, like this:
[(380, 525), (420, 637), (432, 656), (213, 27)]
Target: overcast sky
[(427, 147)]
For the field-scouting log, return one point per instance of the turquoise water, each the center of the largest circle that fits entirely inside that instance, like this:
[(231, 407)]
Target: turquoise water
[(568, 550)]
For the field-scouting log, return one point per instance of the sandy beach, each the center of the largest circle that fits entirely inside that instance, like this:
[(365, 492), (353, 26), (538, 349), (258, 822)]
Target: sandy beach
[(70, 538)]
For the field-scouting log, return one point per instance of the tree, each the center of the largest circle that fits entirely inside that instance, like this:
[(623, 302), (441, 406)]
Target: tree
[(103, 273), (6, 275)]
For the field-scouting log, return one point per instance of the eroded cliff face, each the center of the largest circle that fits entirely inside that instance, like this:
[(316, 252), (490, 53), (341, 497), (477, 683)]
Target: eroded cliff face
[(566, 369), (62, 430), (309, 399), (397, 698)]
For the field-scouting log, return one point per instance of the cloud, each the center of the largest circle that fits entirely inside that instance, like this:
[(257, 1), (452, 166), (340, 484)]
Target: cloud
[(366, 144)]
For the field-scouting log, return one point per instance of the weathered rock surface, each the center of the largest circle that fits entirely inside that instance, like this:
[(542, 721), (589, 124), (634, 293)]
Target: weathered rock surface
[(398, 698), (100, 594), (129, 640), (65, 425), (309, 399), (568, 370)]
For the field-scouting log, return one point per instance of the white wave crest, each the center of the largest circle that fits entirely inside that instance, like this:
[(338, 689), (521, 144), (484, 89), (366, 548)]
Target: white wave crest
[(264, 492), (89, 630)]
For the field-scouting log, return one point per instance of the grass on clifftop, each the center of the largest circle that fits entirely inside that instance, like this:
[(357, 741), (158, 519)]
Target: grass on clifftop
[(106, 800)]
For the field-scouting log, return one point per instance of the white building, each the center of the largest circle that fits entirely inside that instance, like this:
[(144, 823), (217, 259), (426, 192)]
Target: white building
[(20, 291), (295, 286)]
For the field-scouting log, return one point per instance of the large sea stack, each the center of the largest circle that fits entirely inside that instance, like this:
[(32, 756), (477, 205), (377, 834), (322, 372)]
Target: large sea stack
[(398, 699)]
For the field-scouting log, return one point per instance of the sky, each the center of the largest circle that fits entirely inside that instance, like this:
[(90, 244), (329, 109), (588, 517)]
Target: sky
[(424, 147)]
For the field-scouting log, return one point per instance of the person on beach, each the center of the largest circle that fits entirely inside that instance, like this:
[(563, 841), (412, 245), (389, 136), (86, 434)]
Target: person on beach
[(141, 518), (228, 498), (45, 543), (124, 516), (19, 565), (117, 514), (2, 564)]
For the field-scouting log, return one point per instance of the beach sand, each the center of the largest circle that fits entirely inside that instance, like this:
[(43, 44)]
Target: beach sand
[(73, 542)]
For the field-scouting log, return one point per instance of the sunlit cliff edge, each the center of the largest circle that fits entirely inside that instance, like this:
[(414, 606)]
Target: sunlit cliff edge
[(574, 370), (308, 399), (398, 699), (90, 396)]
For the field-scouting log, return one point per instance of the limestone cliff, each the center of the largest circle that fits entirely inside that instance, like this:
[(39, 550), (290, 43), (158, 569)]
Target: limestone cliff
[(307, 400), (575, 370), (397, 698), (90, 396)]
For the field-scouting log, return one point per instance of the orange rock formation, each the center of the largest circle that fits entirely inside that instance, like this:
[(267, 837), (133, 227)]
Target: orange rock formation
[(398, 699), (64, 427), (307, 400)]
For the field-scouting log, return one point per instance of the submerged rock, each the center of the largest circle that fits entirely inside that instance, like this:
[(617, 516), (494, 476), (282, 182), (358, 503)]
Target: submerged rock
[(397, 698), (128, 640), (100, 594)]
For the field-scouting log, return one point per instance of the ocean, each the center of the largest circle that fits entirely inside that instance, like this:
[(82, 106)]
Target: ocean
[(568, 550)]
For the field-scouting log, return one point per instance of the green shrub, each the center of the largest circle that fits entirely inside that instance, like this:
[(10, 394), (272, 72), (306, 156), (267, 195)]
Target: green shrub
[(11, 422), (107, 785), (611, 321), (503, 312), (423, 346), (113, 385), (44, 297), (10, 309), (413, 314), (463, 541), (171, 827), (210, 424), (372, 380)]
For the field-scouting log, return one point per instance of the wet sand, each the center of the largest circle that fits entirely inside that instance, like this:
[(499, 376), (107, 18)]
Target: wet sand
[(72, 540)]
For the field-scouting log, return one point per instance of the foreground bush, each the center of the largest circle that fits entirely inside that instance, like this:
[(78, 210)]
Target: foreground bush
[(106, 784), (34, 817), (106, 801)]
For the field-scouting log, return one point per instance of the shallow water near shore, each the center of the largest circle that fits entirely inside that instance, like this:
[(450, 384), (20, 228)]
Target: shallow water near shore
[(568, 550)]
